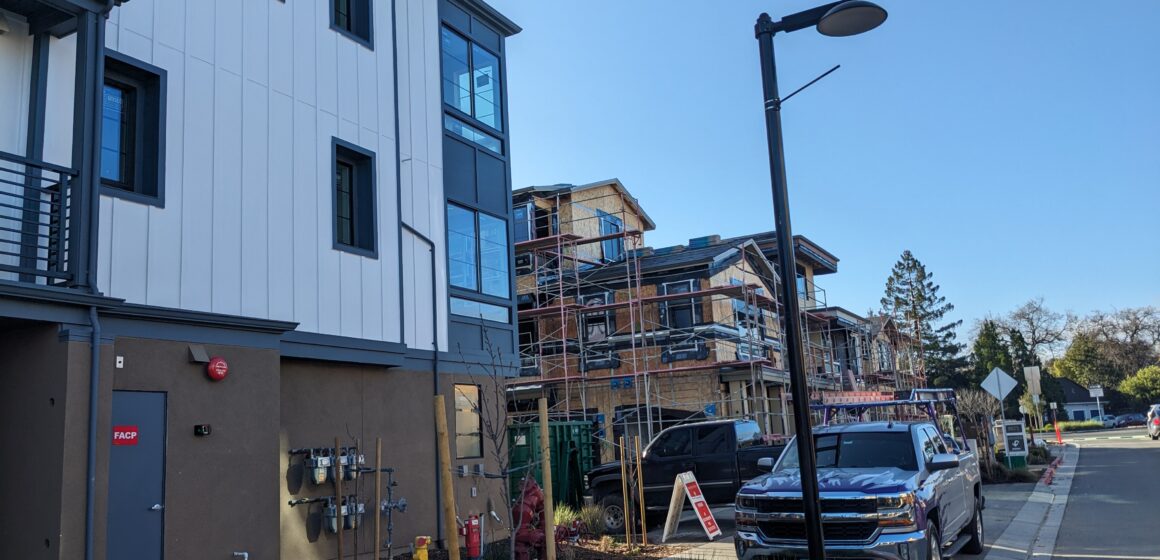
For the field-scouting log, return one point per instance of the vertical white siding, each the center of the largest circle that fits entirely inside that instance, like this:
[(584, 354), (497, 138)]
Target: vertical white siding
[(256, 91)]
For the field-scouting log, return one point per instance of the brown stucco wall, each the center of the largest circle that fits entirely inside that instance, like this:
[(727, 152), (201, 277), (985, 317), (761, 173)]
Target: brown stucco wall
[(33, 392), (321, 400), (220, 490)]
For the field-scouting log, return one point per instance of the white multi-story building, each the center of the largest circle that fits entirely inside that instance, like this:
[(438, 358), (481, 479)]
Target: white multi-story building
[(311, 197)]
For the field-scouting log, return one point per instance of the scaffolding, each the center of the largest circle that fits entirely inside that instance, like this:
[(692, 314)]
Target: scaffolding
[(596, 329)]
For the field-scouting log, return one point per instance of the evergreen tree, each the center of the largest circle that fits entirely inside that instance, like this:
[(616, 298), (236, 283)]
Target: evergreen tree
[(913, 302), (990, 351)]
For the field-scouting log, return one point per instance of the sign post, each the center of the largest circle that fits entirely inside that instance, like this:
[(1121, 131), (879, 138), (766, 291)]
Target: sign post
[(685, 486), (1096, 392), (1055, 422), (999, 384)]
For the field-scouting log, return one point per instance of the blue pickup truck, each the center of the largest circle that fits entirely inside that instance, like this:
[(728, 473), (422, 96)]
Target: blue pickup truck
[(890, 490)]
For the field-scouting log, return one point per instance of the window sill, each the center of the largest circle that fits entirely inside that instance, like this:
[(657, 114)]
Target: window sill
[(359, 251), (367, 42), (131, 196)]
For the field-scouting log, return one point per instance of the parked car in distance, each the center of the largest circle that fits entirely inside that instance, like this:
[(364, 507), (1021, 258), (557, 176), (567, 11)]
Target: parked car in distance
[(1109, 420), (722, 454), (1133, 419), (888, 490)]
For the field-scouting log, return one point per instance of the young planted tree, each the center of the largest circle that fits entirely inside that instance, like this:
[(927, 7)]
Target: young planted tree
[(913, 301)]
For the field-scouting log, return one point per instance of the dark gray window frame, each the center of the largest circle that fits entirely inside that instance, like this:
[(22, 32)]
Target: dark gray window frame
[(366, 195), (148, 185), (367, 18), (478, 294)]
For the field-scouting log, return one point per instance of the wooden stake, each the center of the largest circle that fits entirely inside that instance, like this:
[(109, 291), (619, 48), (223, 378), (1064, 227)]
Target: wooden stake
[(378, 495), (549, 505), (338, 472), (624, 493), (451, 531), (640, 488)]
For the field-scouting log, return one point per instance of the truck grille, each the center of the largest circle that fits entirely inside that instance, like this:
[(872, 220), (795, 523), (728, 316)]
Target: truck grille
[(833, 530), (829, 505)]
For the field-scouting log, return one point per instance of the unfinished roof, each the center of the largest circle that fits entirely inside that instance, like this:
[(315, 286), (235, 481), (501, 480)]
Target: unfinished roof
[(823, 261), (567, 188), (682, 257)]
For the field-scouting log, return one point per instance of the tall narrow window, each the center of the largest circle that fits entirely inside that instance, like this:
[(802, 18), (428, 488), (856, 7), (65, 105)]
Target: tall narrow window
[(118, 129), (132, 129), (468, 432), (461, 247), (353, 19), (354, 199), (613, 248)]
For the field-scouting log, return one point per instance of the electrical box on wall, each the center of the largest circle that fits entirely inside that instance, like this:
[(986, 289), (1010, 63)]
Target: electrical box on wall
[(202, 430)]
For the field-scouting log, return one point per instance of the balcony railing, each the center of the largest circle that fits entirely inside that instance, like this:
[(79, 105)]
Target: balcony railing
[(34, 220)]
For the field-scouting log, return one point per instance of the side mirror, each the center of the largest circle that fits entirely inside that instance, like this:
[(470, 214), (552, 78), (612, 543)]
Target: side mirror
[(765, 462), (943, 461)]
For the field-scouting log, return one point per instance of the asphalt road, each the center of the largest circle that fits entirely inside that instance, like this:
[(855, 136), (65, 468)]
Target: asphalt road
[(1115, 498)]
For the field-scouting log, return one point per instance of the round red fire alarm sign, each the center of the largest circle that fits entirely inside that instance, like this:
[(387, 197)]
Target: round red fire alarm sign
[(217, 368)]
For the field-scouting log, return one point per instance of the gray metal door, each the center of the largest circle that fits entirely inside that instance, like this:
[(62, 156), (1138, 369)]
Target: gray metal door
[(137, 476)]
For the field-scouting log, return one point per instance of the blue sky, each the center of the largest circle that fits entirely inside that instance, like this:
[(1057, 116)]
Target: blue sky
[(1014, 147)]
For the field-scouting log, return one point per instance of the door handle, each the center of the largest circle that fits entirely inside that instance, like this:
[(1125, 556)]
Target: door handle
[(157, 507)]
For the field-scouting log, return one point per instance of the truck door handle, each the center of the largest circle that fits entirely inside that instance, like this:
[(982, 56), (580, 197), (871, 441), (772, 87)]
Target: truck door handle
[(157, 507)]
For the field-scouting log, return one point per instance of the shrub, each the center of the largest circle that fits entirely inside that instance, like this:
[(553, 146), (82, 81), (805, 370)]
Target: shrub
[(1021, 475), (593, 518), (564, 514), (1076, 426)]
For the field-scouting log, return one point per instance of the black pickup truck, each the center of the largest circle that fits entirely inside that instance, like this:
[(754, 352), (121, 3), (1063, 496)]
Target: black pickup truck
[(722, 454)]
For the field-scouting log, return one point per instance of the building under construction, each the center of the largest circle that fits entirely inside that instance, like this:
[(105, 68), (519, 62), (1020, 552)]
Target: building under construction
[(634, 339)]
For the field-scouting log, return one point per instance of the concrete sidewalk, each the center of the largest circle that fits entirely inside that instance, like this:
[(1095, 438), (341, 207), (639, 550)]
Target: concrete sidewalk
[(1016, 515)]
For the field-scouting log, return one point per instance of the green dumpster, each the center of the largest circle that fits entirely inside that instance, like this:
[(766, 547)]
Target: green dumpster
[(572, 456)]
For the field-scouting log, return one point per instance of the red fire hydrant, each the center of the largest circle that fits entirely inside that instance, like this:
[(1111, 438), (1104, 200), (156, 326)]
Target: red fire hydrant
[(471, 537), (528, 515)]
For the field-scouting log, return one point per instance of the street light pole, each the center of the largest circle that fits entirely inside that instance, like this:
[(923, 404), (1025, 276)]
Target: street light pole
[(792, 349), (836, 19)]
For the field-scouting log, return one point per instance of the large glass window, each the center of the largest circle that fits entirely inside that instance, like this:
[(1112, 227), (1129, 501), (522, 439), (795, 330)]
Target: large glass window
[(468, 432), (461, 243), (613, 248), (494, 260), (679, 313), (471, 79), (478, 252), (480, 310)]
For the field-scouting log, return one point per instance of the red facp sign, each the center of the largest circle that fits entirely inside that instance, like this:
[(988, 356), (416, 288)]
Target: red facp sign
[(125, 435)]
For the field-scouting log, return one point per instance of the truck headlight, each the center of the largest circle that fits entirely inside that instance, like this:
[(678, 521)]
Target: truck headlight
[(896, 513), (745, 521)]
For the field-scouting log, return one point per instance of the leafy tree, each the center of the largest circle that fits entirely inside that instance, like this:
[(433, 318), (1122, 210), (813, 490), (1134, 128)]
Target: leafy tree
[(1085, 364), (912, 300), (1143, 386)]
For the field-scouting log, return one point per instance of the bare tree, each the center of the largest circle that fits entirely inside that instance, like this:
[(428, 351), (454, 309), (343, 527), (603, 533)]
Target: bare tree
[(977, 408), (1043, 329)]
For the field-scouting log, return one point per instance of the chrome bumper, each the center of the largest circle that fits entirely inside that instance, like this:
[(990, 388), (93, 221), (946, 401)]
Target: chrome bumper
[(897, 546)]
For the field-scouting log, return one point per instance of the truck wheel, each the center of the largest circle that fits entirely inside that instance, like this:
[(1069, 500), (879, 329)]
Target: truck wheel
[(933, 542), (975, 530), (613, 517)]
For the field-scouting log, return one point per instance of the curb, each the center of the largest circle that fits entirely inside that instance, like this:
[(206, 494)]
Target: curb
[(1033, 532)]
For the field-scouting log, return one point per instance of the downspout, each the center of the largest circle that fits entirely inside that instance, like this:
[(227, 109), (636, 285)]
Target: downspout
[(94, 199), (399, 218)]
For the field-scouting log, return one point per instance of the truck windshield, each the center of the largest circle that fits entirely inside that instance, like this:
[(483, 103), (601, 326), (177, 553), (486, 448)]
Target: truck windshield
[(858, 450)]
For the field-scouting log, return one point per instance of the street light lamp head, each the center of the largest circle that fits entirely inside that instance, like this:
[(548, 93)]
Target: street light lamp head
[(851, 18)]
